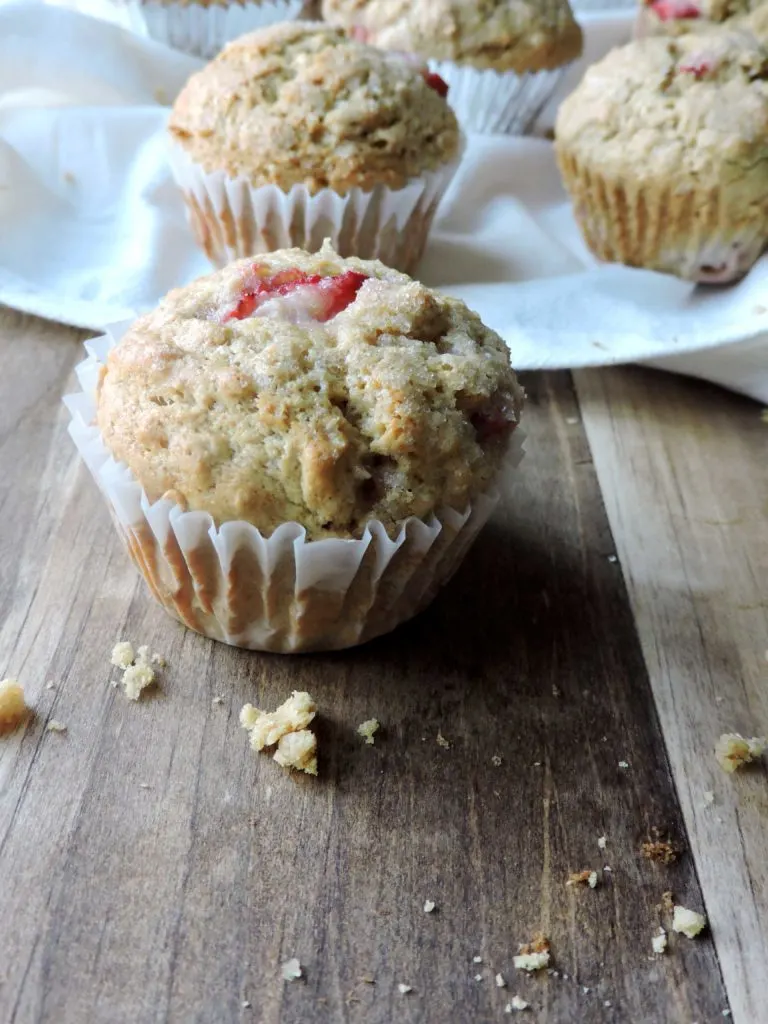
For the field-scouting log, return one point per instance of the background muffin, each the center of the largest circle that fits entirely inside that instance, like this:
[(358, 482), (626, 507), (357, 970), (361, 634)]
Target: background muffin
[(676, 17), (501, 58), (664, 151), (202, 27), (297, 133), (303, 394)]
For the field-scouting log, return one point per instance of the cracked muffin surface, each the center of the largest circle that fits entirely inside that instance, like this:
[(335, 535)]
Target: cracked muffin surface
[(310, 388)]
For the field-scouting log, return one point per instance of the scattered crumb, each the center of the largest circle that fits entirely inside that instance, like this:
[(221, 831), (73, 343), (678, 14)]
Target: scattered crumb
[(500, 981), (571, 420), (585, 990), (623, 764), (291, 970), (368, 980), (137, 678), (555, 690), (586, 877), (50, 685), (287, 728), (144, 785), (516, 1004), (659, 941), (404, 989), (123, 654), (298, 750), (246, 1005), (533, 956), (667, 904), (496, 760), (55, 726), (602, 842), (612, 558), (367, 730), (217, 700), (477, 959), (732, 750), (726, 1013), (709, 797), (442, 741), (429, 906), (13, 707), (478, 977), (607, 867), (660, 851), (607, 1003), (159, 660), (536, 764), (688, 922)]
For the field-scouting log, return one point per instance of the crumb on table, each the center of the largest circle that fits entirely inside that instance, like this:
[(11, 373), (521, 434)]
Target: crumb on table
[(533, 956), (688, 922), (659, 850), (659, 941), (291, 969), (367, 730), (286, 728), (13, 707), (586, 877), (733, 750)]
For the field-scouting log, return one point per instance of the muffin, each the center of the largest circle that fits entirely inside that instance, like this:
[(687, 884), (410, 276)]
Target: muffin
[(677, 17), (299, 449), (296, 134), (202, 27), (663, 148), (502, 59)]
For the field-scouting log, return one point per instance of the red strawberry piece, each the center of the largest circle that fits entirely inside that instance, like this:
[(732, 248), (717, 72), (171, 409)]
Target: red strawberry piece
[(434, 81), (699, 67), (674, 10), (330, 295), (491, 424)]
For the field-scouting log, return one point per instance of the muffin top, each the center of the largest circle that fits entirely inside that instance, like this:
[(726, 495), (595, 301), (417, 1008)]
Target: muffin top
[(505, 35), (684, 111), (301, 103), (672, 17), (310, 388)]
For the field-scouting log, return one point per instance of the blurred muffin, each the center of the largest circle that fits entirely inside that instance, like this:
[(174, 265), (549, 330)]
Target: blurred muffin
[(676, 17), (502, 59), (664, 151), (203, 27), (315, 439), (297, 133)]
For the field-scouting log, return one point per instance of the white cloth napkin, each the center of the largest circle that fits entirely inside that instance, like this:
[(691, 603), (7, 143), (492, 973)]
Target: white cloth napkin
[(92, 229)]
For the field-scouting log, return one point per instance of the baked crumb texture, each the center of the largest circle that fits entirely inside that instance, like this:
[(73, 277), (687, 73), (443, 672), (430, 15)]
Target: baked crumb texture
[(663, 148), (679, 17), (583, 878), (287, 730), (688, 922), (499, 35), (516, 1003), (291, 970), (732, 751), (13, 707), (533, 956), (659, 942), (138, 673), (368, 729)]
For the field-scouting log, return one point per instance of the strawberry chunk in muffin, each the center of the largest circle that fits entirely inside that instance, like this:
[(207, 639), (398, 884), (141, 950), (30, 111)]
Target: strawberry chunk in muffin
[(306, 296)]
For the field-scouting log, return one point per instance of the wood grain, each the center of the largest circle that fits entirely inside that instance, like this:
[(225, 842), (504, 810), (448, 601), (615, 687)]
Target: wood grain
[(683, 472), (156, 870)]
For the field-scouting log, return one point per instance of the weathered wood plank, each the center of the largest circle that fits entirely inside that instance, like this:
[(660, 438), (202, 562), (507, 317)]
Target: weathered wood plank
[(682, 467), (178, 902)]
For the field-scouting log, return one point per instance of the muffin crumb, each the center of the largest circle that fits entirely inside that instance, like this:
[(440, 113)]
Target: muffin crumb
[(287, 729), (429, 906), (659, 941), (533, 956), (13, 707), (292, 969), (442, 741), (688, 922), (517, 1003), (367, 729), (123, 654), (55, 726), (404, 989), (732, 750)]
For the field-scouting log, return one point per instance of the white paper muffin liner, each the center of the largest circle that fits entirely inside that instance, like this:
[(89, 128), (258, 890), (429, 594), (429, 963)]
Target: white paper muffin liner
[(231, 218), (283, 593), (203, 29), (496, 102)]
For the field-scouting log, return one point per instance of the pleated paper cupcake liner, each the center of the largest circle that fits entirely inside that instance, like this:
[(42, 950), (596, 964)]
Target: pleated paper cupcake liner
[(231, 218), (497, 102), (203, 29), (687, 233), (281, 593)]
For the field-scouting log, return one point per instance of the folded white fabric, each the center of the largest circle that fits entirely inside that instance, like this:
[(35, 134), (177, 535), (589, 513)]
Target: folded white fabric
[(92, 229)]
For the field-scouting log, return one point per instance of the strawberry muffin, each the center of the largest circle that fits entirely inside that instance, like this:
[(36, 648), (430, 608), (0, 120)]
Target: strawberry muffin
[(298, 133), (202, 27), (501, 58), (299, 448), (664, 151), (676, 17)]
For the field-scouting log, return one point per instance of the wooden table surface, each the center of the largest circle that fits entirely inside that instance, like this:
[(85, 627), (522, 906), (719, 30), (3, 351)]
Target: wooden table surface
[(153, 868)]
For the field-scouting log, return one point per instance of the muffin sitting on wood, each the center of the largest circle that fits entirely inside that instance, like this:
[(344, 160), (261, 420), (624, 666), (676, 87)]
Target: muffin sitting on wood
[(501, 58), (298, 133), (664, 151)]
